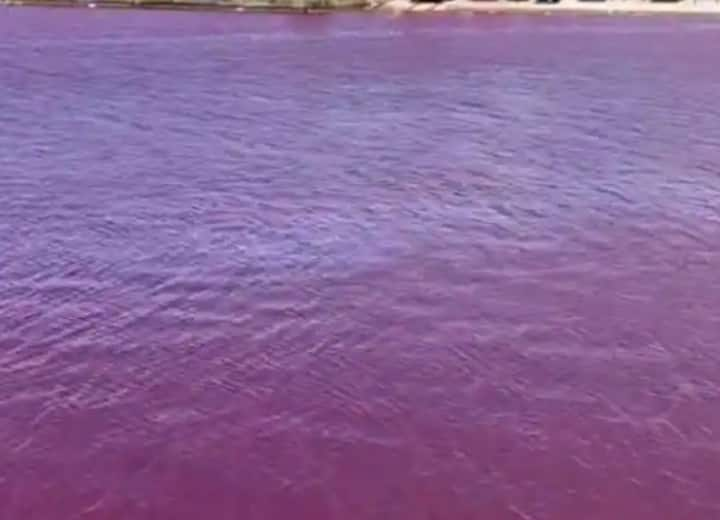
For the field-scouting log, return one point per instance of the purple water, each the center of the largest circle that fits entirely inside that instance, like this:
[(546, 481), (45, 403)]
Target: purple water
[(358, 267)]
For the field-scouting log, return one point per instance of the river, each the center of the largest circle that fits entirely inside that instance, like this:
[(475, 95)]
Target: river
[(358, 267)]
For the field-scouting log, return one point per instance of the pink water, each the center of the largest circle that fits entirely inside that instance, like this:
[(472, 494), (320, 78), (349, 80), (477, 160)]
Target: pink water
[(358, 267)]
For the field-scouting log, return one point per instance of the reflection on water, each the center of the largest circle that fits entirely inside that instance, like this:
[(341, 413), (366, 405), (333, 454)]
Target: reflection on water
[(357, 267)]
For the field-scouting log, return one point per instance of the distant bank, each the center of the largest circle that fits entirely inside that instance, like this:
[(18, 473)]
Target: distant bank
[(399, 6), (547, 7)]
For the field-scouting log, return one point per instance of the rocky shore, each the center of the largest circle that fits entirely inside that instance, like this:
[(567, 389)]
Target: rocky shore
[(299, 6), (402, 6)]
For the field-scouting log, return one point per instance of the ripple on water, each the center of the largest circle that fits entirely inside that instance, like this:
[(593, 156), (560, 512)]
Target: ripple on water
[(358, 267)]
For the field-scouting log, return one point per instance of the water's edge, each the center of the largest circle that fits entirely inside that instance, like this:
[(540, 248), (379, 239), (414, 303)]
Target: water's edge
[(611, 7)]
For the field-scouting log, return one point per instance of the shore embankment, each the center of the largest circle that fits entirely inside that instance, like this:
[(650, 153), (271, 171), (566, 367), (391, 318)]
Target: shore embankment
[(571, 6), (611, 7)]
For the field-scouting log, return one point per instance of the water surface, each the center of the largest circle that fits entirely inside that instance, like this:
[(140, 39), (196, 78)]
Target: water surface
[(357, 267)]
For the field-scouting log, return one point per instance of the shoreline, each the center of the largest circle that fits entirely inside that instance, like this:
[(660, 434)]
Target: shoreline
[(610, 7), (490, 7)]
